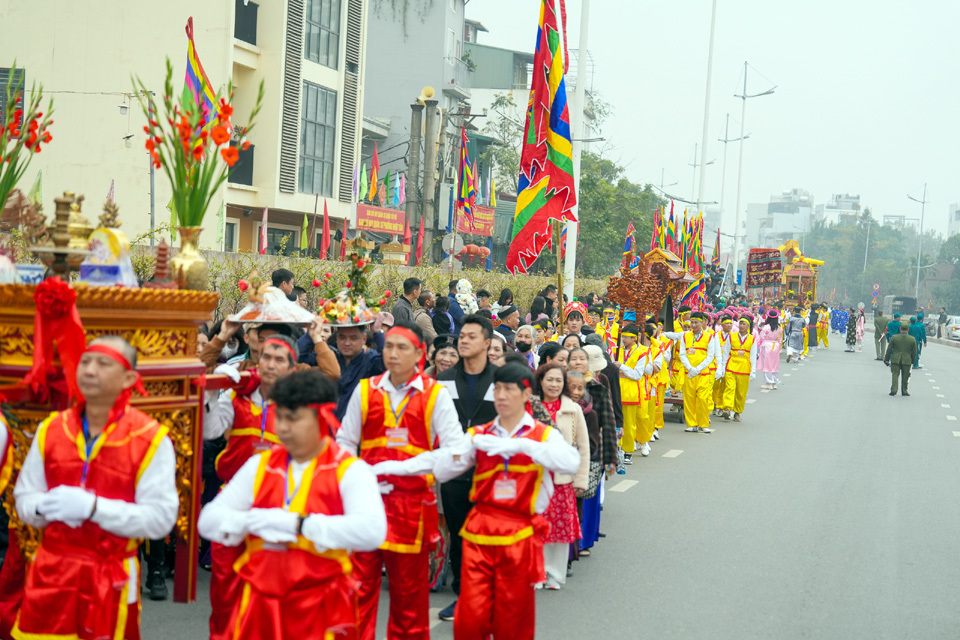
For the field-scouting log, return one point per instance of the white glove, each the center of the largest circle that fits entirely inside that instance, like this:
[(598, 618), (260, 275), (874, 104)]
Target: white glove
[(495, 445), (389, 468), (314, 528), (70, 505), (233, 531), (228, 370), (719, 374), (273, 525), (385, 488), (753, 376)]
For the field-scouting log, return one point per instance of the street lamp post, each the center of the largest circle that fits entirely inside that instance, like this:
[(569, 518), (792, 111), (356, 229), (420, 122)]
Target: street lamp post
[(706, 107), (923, 204), (743, 129)]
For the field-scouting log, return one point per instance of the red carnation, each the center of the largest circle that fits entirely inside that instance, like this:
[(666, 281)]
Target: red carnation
[(387, 294), (349, 284), (316, 282), (242, 285)]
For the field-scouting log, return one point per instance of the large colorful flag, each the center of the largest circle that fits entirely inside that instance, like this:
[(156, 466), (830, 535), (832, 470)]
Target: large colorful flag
[(196, 85), (672, 233), (655, 235), (262, 248), (546, 163), (374, 171), (325, 239), (467, 195), (419, 255)]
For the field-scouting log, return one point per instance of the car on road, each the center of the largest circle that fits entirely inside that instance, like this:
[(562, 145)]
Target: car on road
[(952, 328)]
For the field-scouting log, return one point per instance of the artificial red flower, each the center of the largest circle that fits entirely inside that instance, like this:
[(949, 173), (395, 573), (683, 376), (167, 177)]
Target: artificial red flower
[(242, 285), (328, 275), (316, 282), (219, 135), (198, 153), (359, 264), (230, 155), (382, 302), (349, 284), (54, 298), (225, 110), (387, 294)]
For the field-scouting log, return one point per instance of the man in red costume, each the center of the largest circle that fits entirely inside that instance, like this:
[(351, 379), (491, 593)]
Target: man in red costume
[(98, 477), (247, 417), (297, 511), (503, 535), (391, 418)]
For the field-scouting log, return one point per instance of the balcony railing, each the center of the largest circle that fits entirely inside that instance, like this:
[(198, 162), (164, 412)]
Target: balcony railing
[(456, 76), (245, 25)]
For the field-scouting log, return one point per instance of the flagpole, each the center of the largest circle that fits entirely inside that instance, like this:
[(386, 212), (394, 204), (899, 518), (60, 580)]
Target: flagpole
[(556, 245), (706, 111), (313, 224), (579, 101)]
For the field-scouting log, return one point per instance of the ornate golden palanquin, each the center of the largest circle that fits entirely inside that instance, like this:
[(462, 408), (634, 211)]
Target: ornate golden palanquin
[(162, 325)]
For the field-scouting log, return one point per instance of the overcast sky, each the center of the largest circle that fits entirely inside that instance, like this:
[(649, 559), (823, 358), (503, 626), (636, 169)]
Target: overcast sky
[(866, 100)]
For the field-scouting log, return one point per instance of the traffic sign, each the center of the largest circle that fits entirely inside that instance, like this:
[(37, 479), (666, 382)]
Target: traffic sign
[(876, 294), (739, 277), (876, 286)]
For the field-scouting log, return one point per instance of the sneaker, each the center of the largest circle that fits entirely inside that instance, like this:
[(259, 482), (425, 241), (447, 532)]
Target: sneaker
[(446, 614), (691, 429), (702, 430), (552, 585), (726, 414), (157, 586), (737, 418), (628, 458), (893, 393), (645, 449), (656, 434)]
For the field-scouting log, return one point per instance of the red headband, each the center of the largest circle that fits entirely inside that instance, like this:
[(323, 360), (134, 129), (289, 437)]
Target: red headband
[(403, 332), (325, 411), (281, 343), (117, 357)]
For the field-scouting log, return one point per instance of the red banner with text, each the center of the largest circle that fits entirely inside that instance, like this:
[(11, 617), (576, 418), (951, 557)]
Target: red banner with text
[(482, 222)]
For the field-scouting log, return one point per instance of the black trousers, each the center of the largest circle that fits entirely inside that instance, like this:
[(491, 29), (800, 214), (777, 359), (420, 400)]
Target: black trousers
[(455, 496)]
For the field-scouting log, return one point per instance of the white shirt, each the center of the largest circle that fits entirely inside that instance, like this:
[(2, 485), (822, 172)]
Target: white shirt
[(362, 527), (555, 454), (151, 515), (218, 414), (445, 422), (693, 371), (645, 365)]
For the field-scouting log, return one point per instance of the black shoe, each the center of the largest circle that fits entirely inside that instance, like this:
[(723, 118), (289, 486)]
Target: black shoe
[(602, 534), (905, 394), (157, 586), (893, 393), (569, 570), (447, 614)]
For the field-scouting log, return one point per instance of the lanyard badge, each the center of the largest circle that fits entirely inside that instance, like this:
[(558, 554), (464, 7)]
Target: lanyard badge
[(89, 446)]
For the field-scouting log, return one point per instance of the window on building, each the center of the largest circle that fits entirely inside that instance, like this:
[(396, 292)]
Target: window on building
[(230, 236), (323, 32), (318, 135), (281, 240), (450, 48), (6, 80)]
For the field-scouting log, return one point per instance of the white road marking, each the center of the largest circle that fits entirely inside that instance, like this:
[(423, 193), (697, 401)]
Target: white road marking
[(956, 433), (673, 453), (937, 388), (945, 406), (751, 400), (787, 375), (623, 485), (433, 615), (951, 417), (940, 395), (933, 381), (764, 390)]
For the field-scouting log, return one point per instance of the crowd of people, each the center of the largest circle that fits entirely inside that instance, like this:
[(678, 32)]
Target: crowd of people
[(460, 440)]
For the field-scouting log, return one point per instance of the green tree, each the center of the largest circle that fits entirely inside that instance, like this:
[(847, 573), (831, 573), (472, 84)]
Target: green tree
[(503, 154)]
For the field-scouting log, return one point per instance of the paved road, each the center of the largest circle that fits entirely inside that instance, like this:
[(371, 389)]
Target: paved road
[(830, 512)]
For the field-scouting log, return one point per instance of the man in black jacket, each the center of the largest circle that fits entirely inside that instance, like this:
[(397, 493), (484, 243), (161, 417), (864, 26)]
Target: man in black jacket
[(470, 383), (612, 372)]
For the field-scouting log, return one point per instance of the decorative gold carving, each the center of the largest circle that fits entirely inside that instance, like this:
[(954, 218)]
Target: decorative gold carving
[(20, 296), (164, 388), (27, 537), (16, 342), (181, 423)]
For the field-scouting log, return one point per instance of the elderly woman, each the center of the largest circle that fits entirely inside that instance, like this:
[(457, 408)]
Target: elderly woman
[(561, 514), (445, 354), (524, 344)]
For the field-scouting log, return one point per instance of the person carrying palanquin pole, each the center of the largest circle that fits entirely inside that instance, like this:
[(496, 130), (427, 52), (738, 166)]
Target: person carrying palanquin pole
[(99, 477), (297, 511)]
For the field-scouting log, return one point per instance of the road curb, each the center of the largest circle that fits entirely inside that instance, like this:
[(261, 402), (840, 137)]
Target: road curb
[(946, 343)]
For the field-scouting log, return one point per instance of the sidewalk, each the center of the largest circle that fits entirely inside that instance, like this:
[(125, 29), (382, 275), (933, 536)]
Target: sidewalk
[(947, 343)]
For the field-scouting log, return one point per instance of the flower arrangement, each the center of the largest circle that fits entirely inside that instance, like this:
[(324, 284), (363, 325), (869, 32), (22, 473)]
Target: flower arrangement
[(24, 131), (351, 305), (192, 145)]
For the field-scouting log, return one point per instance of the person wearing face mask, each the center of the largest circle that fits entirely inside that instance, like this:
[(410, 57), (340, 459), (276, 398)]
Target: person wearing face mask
[(524, 343)]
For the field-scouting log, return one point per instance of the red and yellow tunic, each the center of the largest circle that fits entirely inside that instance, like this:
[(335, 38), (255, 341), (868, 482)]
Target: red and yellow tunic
[(400, 435), (253, 432), (739, 361), (6, 457), (505, 498), (78, 582), (294, 590)]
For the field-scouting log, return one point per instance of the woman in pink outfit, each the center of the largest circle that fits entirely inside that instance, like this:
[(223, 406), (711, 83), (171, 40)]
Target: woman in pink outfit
[(768, 357), (861, 321)]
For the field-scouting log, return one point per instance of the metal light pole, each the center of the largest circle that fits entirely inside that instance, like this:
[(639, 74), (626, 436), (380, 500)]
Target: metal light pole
[(923, 204), (726, 139), (706, 106), (866, 249), (579, 102), (743, 121)]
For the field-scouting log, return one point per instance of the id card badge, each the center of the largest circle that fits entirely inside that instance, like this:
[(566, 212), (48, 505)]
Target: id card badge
[(505, 489), (396, 437), (262, 445), (739, 352)]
